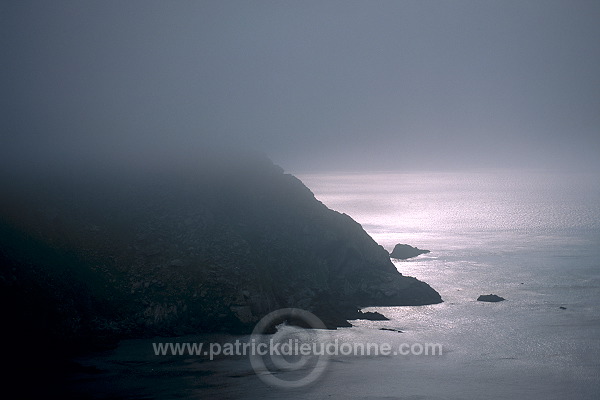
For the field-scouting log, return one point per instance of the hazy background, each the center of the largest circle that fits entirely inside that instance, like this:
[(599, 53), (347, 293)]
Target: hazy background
[(316, 85)]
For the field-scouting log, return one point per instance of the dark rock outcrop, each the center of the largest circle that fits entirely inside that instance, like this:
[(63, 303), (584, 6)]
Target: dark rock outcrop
[(91, 256), (491, 298), (391, 330), (369, 315), (404, 251)]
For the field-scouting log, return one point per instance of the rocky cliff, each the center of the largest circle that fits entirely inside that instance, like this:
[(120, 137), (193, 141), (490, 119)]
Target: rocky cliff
[(98, 254)]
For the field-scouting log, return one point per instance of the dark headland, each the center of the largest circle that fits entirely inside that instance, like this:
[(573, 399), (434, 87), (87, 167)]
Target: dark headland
[(95, 255)]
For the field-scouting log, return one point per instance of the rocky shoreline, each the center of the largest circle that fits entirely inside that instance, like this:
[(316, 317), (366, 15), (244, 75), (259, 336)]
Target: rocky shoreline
[(95, 258)]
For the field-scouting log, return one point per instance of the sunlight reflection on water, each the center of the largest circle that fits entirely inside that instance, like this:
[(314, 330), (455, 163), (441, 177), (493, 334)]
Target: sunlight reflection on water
[(532, 238)]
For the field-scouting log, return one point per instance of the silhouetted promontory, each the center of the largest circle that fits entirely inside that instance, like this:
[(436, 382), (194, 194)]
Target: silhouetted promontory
[(91, 255)]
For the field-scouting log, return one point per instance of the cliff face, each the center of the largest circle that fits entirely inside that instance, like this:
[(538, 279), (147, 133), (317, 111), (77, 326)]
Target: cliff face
[(214, 248)]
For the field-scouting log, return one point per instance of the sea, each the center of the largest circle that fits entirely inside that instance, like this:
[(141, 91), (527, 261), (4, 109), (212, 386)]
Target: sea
[(531, 237)]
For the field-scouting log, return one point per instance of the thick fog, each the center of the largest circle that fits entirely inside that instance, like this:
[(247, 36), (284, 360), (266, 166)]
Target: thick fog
[(316, 85)]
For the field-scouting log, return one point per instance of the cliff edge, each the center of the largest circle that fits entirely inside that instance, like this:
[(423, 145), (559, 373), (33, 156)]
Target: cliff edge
[(96, 255)]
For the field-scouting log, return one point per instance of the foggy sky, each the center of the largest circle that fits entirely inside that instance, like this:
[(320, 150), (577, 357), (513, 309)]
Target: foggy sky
[(313, 84)]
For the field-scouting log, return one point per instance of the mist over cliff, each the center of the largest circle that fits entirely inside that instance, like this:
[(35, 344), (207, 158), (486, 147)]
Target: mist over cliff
[(317, 85), (93, 253)]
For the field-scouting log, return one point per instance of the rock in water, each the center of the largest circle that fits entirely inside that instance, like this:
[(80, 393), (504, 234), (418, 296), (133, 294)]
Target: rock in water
[(370, 316), (404, 251), (490, 298), (391, 330)]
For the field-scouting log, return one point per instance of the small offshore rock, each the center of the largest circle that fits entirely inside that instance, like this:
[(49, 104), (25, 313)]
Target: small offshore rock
[(391, 329), (490, 298), (404, 251)]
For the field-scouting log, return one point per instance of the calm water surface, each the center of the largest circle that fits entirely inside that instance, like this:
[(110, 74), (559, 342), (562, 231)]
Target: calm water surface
[(533, 238)]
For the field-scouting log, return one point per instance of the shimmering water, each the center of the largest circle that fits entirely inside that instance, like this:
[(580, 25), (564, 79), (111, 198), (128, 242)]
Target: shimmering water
[(533, 238)]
